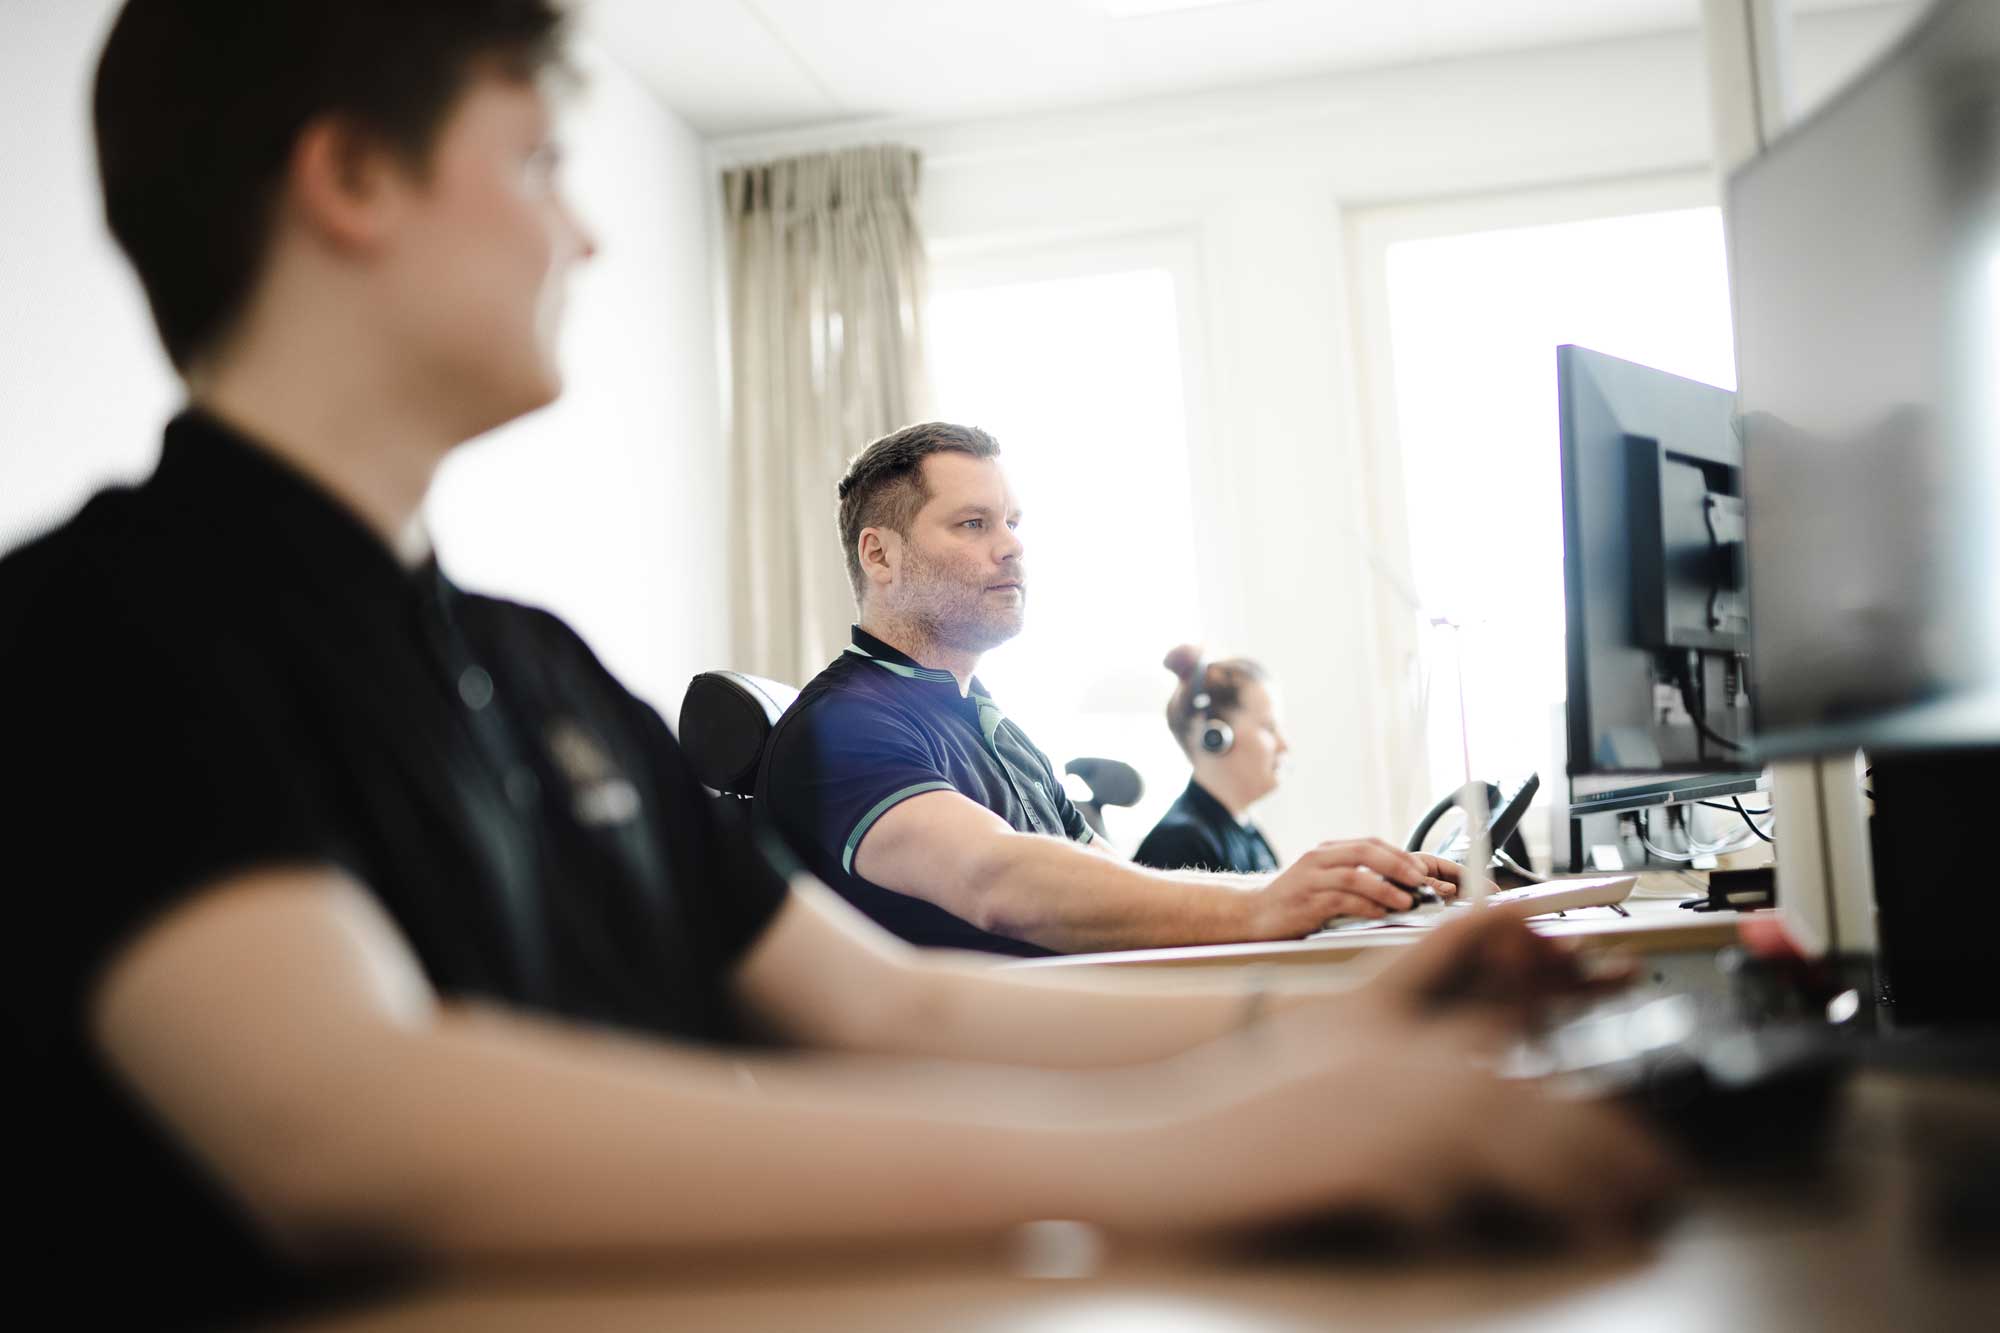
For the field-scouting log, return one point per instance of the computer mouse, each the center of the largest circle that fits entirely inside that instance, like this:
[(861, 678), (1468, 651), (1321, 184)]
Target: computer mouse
[(1424, 902)]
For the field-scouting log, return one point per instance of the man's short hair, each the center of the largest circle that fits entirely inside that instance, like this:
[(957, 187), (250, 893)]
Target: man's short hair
[(884, 485), (198, 104)]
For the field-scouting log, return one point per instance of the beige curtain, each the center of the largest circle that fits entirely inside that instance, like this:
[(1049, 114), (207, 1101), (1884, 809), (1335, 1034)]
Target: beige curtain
[(826, 302)]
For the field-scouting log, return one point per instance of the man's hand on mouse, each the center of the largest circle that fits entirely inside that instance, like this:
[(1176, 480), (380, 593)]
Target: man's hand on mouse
[(1360, 877)]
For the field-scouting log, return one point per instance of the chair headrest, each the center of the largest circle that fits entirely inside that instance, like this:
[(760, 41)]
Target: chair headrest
[(1111, 782), (726, 717)]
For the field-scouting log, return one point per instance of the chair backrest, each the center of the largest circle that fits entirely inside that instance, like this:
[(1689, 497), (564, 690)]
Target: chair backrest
[(726, 716), (1111, 782)]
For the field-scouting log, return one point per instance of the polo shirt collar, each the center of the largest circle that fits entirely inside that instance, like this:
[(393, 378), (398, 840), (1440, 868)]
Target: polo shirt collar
[(902, 664), (209, 467)]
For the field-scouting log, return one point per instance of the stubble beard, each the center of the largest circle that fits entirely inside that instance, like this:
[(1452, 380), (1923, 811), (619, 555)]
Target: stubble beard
[(953, 615)]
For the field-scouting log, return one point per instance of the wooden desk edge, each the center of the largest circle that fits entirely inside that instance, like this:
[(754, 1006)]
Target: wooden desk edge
[(1649, 930)]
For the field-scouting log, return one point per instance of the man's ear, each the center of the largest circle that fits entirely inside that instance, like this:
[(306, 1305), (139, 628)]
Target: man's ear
[(344, 184), (881, 551)]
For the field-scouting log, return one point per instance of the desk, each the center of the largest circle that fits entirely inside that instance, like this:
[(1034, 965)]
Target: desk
[(1655, 925), (1848, 1252)]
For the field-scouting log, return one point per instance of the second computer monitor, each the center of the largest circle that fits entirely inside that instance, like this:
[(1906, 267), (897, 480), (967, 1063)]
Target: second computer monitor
[(1867, 294), (1653, 577)]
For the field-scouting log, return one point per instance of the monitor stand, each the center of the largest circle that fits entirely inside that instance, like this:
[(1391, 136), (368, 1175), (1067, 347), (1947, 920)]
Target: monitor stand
[(1825, 874)]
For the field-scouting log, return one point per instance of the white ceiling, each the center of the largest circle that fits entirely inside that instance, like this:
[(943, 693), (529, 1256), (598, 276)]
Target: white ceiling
[(742, 66)]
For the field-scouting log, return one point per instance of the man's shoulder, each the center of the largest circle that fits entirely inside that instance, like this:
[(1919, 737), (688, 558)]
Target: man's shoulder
[(850, 708), (849, 684), (89, 576), (535, 631), (540, 652)]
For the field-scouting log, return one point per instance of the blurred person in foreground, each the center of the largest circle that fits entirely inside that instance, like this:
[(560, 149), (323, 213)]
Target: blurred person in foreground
[(365, 924), (1224, 716), (901, 782)]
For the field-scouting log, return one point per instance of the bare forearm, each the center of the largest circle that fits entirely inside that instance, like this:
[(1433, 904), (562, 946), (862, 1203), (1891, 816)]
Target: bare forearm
[(493, 1135), (824, 977), (1062, 898), (1063, 1022)]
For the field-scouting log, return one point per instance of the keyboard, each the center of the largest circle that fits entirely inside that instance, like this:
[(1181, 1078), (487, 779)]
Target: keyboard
[(1564, 895), (1557, 895), (1724, 1089)]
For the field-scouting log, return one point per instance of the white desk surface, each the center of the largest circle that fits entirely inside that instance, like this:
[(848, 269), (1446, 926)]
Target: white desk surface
[(1850, 1249), (1654, 925)]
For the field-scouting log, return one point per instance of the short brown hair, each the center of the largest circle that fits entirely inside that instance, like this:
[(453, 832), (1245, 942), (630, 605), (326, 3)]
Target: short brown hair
[(199, 102), (884, 485), (1223, 681)]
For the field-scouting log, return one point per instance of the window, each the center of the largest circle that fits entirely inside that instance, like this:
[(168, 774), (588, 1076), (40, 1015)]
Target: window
[(1473, 323), (1079, 376)]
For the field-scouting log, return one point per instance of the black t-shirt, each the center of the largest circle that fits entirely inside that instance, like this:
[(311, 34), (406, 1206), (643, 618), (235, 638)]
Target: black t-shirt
[(222, 669), (1199, 833), (874, 729)]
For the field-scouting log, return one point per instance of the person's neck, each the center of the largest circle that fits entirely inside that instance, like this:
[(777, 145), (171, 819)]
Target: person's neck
[(342, 423), (916, 643), (1227, 794)]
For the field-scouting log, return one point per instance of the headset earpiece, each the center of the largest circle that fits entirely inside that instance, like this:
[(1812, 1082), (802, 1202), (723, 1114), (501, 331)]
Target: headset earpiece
[(1217, 737)]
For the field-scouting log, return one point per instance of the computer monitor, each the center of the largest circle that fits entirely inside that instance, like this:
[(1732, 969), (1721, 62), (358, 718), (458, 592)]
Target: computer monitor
[(1865, 246), (1865, 249), (1657, 709)]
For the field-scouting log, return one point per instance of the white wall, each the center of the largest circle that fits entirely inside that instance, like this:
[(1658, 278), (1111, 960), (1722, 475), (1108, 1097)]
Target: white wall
[(608, 507), (86, 384), (611, 506), (1293, 524)]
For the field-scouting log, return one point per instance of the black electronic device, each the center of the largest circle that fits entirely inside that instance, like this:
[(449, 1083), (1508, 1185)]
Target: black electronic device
[(1656, 610), (1726, 1092), (1865, 247), (1657, 617), (1502, 829), (1865, 244), (1216, 736)]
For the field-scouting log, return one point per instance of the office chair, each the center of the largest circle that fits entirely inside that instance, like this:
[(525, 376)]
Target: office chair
[(726, 716), (1110, 783)]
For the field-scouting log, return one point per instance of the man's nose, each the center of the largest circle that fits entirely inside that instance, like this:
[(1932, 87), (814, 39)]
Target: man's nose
[(582, 240)]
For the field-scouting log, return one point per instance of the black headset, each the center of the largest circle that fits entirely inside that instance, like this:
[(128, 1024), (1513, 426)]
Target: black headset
[(1217, 737)]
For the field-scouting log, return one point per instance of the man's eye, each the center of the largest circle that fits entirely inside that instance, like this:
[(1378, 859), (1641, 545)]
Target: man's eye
[(973, 523)]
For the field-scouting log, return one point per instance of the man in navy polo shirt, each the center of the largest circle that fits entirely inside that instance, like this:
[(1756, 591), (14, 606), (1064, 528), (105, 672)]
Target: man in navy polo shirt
[(905, 787)]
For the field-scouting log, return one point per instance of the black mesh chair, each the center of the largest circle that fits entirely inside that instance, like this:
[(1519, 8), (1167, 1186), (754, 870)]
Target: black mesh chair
[(1110, 783), (726, 716)]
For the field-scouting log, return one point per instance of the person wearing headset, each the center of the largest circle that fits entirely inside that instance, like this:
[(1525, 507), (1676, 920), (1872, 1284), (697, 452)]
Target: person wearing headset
[(1224, 717)]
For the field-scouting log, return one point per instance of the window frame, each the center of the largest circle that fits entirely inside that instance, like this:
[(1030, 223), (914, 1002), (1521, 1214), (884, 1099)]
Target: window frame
[(1371, 231), (958, 266)]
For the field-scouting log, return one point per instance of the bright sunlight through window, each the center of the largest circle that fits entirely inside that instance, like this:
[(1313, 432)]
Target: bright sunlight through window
[(1475, 321), (1080, 380)]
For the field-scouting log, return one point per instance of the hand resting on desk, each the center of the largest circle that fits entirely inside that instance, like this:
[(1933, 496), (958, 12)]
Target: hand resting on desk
[(1418, 1129), (1490, 959)]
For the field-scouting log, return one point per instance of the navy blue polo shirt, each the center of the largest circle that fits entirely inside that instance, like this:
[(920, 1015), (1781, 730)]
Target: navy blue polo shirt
[(875, 729), (1199, 833)]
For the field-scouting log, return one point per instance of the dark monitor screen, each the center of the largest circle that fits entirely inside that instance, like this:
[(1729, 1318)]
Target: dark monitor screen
[(1865, 251), (1653, 588)]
